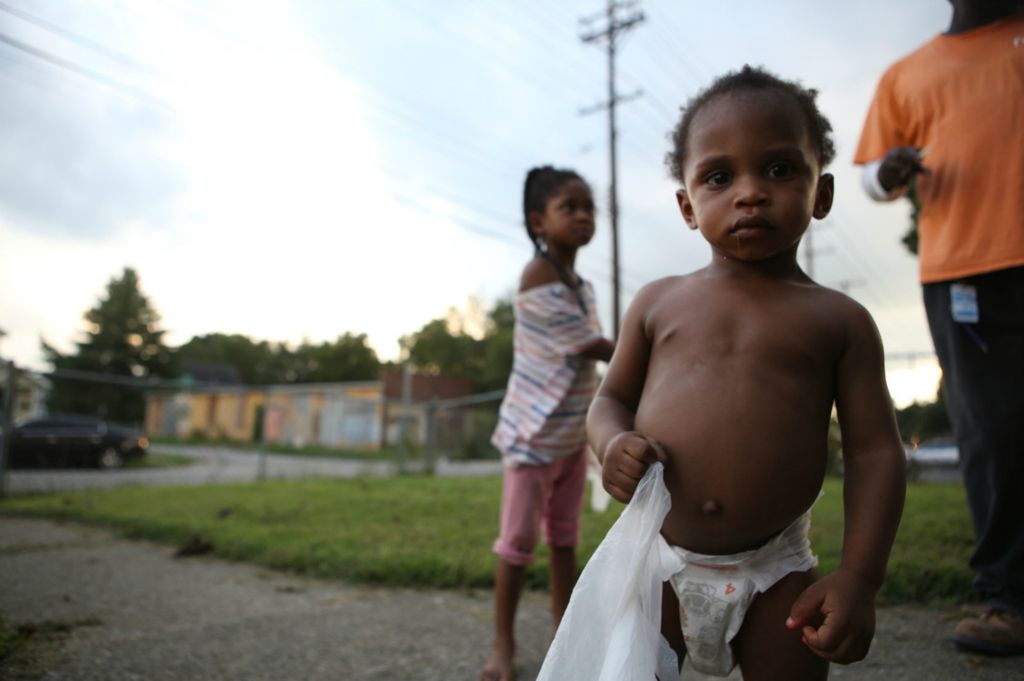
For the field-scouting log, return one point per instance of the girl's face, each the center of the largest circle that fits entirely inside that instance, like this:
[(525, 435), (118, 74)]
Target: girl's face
[(567, 222), (753, 181)]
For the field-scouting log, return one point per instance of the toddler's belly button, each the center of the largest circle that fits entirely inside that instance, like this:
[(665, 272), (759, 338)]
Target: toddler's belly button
[(710, 507)]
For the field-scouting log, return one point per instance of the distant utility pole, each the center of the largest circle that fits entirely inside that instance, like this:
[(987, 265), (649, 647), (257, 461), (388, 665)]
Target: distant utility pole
[(7, 420), (609, 34)]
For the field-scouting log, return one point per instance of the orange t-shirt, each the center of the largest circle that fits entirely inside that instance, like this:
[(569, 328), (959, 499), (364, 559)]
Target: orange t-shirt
[(960, 97)]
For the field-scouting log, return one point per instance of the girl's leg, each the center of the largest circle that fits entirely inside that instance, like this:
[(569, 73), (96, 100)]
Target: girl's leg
[(521, 502), (508, 586), (767, 649), (563, 579), (562, 522)]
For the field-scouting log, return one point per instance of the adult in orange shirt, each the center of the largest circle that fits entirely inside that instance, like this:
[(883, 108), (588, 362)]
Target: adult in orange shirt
[(952, 114)]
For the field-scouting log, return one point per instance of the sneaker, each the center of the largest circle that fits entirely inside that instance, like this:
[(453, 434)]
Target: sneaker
[(994, 632)]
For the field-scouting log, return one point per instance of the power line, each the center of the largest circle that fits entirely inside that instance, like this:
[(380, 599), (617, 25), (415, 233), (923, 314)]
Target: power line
[(84, 72), (851, 253), (76, 38), (434, 137)]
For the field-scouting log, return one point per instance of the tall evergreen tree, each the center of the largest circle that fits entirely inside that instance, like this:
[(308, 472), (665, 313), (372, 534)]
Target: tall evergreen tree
[(123, 341)]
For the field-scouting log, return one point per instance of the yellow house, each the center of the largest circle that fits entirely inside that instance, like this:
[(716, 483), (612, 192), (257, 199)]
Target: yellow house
[(365, 415)]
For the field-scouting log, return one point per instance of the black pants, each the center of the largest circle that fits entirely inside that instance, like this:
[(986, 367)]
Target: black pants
[(983, 379)]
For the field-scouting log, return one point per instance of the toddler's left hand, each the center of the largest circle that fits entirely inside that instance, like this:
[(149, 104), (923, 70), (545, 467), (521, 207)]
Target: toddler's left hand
[(848, 604)]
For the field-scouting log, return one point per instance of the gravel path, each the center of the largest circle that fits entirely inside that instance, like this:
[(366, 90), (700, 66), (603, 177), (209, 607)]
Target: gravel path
[(110, 609)]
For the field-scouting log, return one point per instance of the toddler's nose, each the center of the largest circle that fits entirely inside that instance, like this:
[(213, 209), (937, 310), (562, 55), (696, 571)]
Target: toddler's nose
[(749, 191)]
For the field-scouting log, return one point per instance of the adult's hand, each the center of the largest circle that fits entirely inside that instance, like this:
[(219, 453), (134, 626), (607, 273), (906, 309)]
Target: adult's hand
[(898, 166)]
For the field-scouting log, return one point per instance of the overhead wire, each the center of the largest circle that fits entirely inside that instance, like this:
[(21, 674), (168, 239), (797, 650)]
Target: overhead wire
[(76, 38), (593, 265), (869, 276), (458, 144), (701, 72), (400, 121), (84, 72)]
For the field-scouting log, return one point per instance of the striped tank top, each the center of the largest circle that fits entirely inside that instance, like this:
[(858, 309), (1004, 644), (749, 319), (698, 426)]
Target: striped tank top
[(543, 416)]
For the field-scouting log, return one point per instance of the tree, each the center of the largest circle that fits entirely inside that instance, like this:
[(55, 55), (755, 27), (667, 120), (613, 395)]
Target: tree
[(256, 362), (497, 360), (122, 340), (923, 421), (438, 348), (910, 237), (349, 358)]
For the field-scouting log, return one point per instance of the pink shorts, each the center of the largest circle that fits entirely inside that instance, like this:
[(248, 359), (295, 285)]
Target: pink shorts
[(552, 492)]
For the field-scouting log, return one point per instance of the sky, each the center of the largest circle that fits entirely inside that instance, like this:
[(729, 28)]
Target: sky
[(297, 170)]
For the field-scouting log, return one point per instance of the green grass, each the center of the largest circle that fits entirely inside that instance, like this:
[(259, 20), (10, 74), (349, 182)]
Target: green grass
[(427, 531)]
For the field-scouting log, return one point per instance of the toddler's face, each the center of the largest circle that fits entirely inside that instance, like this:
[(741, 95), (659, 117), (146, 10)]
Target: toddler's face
[(752, 176)]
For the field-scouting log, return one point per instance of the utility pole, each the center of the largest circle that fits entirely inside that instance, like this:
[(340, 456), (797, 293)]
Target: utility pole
[(7, 420), (610, 33)]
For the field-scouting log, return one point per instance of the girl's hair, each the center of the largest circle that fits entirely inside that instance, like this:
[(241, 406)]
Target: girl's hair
[(753, 78), (541, 184)]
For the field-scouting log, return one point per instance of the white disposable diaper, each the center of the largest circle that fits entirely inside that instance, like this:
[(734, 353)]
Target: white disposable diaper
[(716, 591), (611, 630)]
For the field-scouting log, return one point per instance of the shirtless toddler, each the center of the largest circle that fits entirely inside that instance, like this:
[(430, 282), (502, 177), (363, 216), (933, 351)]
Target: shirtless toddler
[(728, 376)]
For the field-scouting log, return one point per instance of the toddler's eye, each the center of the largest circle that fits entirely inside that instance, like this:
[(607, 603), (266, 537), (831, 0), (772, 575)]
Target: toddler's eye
[(717, 178), (780, 170)]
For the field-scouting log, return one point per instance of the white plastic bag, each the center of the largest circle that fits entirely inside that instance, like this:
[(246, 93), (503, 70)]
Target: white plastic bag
[(611, 630), (599, 498)]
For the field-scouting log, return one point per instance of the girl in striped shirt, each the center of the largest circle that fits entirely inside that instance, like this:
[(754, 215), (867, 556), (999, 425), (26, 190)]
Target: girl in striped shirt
[(541, 428)]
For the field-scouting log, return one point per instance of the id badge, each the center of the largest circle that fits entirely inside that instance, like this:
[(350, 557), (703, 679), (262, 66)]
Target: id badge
[(964, 303)]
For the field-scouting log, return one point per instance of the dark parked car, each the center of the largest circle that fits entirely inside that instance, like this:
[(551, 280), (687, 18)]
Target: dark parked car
[(60, 441)]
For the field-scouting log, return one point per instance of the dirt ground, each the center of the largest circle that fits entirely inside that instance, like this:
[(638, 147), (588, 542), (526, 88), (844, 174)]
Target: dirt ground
[(100, 607)]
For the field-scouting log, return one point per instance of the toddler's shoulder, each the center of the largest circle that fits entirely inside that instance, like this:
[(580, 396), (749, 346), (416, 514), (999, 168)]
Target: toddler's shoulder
[(659, 300), (842, 304), (667, 285), (855, 319)]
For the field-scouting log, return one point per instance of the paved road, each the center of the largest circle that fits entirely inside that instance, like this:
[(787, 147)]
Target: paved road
[(219, 464), (133, 611)]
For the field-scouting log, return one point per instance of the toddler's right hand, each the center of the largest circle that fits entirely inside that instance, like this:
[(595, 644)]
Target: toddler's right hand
[(626, 458)]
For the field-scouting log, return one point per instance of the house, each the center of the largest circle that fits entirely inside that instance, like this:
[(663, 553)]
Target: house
[(366, 415), (30, 393)]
